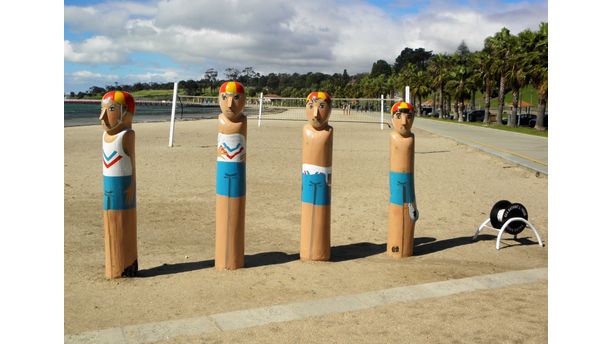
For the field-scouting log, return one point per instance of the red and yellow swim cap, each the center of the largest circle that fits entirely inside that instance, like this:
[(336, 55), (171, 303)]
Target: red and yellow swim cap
[(231, 87), (401, 105), (319, 95), (122, 98)]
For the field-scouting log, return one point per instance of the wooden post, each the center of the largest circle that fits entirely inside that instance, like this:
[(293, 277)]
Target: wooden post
[(317, 145), (403, 212), (119, 173), (231, 177)]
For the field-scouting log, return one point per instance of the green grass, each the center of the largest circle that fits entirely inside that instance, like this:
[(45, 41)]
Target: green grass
[(144, 94), (152, 93), (528, 94), (523, 130)]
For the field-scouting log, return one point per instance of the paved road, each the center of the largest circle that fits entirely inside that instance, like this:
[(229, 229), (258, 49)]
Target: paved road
[(526, 150)]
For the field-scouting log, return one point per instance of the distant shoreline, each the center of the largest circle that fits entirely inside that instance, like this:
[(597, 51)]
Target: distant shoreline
[(78, 123)]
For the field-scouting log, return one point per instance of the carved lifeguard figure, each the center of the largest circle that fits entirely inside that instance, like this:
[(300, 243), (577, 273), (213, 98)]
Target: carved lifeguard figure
[(119, 173), (231, 177), (317, 143), (403, 212)]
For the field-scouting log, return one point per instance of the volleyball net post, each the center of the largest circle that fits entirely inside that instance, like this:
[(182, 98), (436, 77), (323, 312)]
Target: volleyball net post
[(174, 94), (382, 111), (260, 109)]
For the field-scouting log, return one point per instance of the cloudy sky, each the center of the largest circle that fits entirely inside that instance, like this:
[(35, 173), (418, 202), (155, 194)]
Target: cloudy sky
[(166, 40)]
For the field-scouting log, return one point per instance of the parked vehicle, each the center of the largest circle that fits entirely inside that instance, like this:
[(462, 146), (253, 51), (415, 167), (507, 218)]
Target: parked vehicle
[(524, 119), (532, 121), (527, 120), (474, 116), (426, 111)]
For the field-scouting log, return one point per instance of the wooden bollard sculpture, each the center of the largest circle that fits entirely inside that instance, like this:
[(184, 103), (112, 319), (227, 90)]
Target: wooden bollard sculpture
[(403, 212), (119, 173), (231, 177), (317, 143)]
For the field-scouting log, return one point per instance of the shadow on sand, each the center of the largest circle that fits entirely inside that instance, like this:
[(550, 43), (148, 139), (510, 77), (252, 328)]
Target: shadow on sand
[(338, 254), (422, 246), (440, 245)]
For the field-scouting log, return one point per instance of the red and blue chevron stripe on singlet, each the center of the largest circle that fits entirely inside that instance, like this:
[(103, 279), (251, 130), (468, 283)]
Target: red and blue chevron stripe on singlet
[(108, 161)]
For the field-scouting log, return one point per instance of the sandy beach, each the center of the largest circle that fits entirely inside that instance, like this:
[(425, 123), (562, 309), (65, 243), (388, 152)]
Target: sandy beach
[(455, 188)]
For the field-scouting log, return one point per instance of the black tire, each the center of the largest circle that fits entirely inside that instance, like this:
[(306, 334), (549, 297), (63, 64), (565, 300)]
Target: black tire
[(500, 205), (515, 210)]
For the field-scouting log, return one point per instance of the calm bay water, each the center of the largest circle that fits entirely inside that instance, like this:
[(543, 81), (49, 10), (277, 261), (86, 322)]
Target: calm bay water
[(87, 114)]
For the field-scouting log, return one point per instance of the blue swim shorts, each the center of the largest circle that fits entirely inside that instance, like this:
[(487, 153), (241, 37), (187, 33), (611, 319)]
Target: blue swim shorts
[(114, 193), (315, 189), (231, 179), (401, 186)]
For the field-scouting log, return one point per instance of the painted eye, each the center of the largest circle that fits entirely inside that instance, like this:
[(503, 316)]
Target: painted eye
[(112, 108), (237, 97), (310, 106), (322, 106), (223, 96)]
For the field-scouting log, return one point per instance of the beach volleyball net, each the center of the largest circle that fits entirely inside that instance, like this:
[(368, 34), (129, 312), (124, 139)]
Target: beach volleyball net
[(358, 110), (198, 107), (274, 108)]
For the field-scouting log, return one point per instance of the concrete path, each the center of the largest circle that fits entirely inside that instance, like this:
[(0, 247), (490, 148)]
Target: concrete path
[(526, 150), (241, 319)]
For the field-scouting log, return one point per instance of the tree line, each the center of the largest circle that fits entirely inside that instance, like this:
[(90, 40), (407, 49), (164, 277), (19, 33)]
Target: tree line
[(507, 63)]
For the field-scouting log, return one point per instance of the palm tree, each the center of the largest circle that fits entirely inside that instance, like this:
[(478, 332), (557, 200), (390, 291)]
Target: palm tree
[(538, 73), (484, 60), (419, 87), (517, 71), (460, 72), (439, 75), (471, 81), (519, 66), (500, 45), (405, 77), (452, 90)]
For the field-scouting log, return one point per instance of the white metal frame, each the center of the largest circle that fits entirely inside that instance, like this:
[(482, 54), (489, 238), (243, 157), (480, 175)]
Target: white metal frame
[(260, 109), (487, 222), (174, 93), (382, 111)]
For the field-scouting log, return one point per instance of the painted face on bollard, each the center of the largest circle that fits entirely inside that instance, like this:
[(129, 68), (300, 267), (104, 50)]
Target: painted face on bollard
[(117, 111), (232, 100), (318, 109), (402, 117)]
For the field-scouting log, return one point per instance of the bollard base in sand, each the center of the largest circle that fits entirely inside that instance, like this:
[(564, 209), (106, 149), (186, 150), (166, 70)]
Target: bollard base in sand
[(315, 243), (120, 243), (400, 237), (229, 233)]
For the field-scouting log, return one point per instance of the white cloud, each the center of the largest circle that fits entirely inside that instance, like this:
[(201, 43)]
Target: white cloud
[(107, 18), (83, 79), (159, 76), (85, 74), (95, 19), (95, 50), (283, 36)]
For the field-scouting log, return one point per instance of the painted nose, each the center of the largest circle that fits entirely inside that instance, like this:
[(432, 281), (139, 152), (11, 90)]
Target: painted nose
[(102, 114), (229, 101), (315, 114)]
